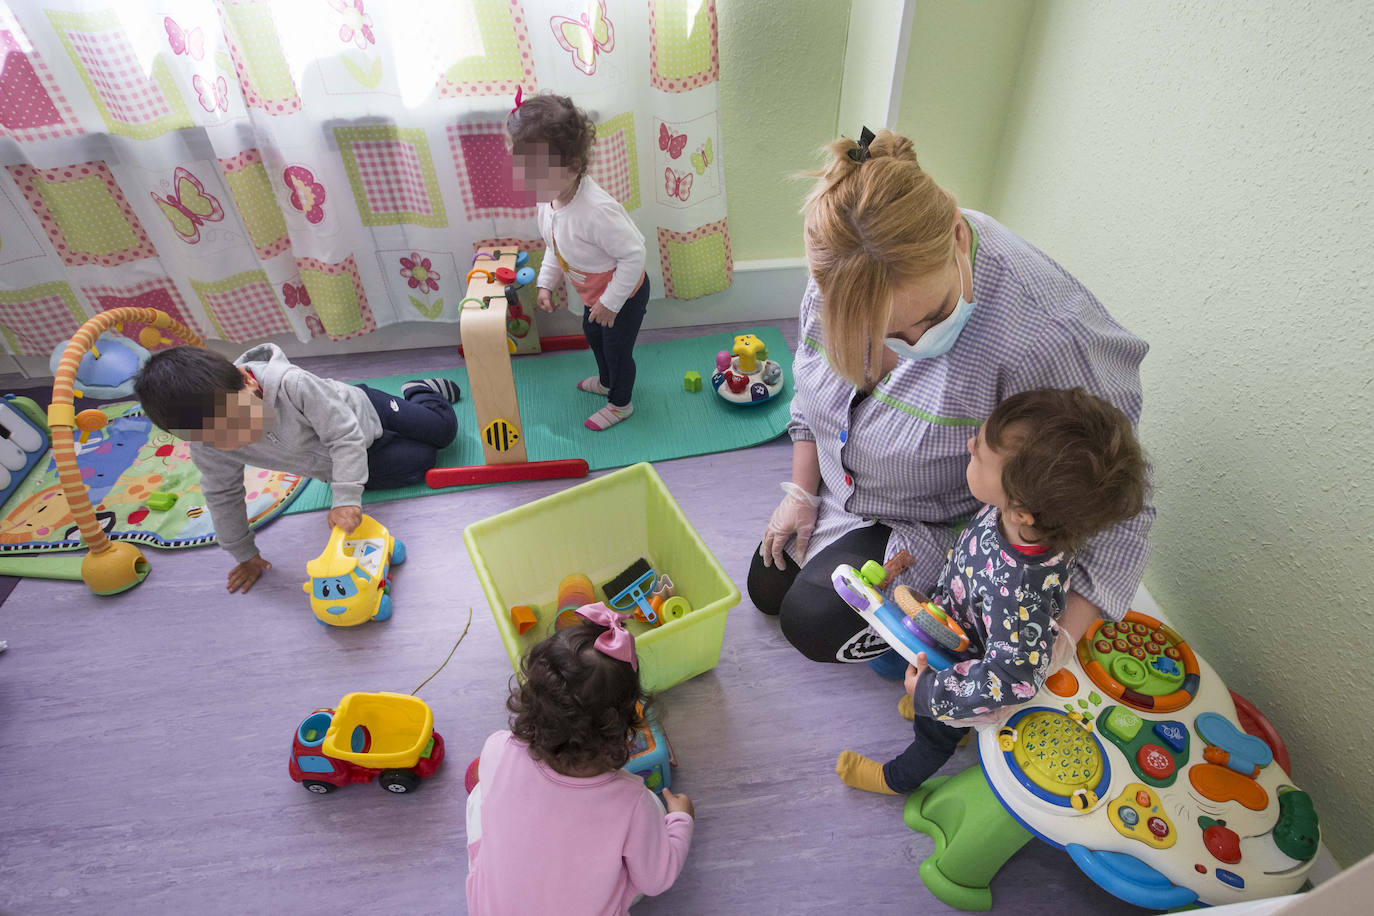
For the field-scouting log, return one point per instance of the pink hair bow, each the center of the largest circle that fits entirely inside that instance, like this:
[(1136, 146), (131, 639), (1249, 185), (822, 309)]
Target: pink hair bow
[(519, 92), (617, 642)]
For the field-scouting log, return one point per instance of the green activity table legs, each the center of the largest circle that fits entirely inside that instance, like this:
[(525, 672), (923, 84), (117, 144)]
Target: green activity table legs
[(974, 836)]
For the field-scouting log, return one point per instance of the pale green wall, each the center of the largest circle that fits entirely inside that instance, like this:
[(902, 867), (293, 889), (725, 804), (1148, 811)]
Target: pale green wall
[(960, 70), (780, 69), (783, 66), (873, 44), (1207, 174)]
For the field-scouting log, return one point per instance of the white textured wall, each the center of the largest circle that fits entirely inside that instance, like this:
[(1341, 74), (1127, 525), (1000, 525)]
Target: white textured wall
[(1206, 172)]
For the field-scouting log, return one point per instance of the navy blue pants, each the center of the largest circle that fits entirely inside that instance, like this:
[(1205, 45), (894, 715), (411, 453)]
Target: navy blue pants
[(935, 743), (413, 431), (614, 347)]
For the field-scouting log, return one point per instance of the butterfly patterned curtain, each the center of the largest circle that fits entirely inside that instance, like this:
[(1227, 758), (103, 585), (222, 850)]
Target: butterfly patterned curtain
[(328, 167)]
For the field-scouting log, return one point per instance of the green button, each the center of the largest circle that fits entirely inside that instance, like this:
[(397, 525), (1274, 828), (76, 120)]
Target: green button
[(1123, 723), (1128, 671), (1094, 699)]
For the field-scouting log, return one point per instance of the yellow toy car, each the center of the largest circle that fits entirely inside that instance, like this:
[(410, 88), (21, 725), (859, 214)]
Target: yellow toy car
[(350, 581), (389, 737)]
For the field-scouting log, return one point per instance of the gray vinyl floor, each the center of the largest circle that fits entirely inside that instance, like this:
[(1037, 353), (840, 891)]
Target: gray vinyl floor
[(144, 737)]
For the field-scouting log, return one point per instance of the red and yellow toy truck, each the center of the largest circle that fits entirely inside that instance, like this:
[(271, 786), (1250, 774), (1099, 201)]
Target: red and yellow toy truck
[(389, 737)]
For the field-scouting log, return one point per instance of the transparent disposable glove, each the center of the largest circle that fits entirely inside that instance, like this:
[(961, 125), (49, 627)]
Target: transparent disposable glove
[(796, 514)]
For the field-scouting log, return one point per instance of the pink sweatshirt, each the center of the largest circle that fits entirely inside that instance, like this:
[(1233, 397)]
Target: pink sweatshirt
[(548, 843)]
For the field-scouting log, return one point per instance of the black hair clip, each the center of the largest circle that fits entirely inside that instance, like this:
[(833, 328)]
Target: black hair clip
[(861, 155)]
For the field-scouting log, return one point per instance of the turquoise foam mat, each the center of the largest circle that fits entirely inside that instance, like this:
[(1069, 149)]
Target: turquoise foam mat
[(668, 422)]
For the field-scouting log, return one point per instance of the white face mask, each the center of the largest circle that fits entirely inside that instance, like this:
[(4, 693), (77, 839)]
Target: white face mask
[(937, 339)]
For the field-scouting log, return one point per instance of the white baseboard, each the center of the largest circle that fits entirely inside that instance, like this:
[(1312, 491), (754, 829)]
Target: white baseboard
[(763, 289)]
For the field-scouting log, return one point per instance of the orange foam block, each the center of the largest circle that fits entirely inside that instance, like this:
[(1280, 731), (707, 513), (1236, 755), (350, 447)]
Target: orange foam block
[(523, 616)]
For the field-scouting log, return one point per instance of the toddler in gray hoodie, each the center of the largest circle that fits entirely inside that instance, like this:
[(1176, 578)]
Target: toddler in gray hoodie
[(263, 411)]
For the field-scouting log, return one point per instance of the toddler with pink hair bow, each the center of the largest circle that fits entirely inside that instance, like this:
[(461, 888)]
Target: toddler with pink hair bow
[(551, 791)]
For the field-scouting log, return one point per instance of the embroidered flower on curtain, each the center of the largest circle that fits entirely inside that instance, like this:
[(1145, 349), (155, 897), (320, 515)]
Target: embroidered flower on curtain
[(307, 194), (357, 25), (419, 273)]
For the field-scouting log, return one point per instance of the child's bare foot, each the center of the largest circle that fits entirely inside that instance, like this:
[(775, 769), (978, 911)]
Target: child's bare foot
[(861, 772)]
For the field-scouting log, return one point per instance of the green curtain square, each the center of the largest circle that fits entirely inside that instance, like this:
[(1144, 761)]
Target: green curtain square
[(699, 267), (335, 299), (256, 34), (87, 215), (252, 192), (684, 40), (500, 57)]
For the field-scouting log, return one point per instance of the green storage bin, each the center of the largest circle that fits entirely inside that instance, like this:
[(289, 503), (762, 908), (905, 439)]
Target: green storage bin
[(599, 528)]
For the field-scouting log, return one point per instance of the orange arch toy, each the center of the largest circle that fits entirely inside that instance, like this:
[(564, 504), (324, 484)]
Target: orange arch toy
[(109, 567)]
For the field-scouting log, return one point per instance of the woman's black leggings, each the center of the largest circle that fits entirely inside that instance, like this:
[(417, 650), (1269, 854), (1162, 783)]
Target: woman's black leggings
[(813, 617)]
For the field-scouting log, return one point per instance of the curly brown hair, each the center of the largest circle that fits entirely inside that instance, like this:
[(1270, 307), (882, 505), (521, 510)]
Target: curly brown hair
[(555, 121), (1076, 466), (575, 706)]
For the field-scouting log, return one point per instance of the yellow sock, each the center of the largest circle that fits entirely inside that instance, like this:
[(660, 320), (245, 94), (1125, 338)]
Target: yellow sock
[(860, 772), (905, 708)]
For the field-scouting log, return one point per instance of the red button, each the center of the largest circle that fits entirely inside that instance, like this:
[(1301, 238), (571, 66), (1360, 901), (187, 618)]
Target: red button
[(1223, 843), (1158, 827), (848, 481), (1154, 761)]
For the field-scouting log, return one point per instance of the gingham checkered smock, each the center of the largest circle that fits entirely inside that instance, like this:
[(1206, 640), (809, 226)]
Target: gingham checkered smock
[(899, 456)]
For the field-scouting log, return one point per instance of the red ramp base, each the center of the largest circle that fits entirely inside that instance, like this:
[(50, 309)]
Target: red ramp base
[(502, 473)]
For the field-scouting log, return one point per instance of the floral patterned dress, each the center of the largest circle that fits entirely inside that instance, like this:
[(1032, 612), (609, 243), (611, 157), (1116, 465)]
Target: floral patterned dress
[(1008, 604)]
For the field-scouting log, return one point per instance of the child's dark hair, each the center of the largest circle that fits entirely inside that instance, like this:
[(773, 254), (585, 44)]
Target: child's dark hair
[(557, 122), (181, 386), (575, 706), (1075, 464)]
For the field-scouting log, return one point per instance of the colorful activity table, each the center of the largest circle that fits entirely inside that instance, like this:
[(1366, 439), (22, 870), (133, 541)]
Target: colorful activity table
[(1133, 760)]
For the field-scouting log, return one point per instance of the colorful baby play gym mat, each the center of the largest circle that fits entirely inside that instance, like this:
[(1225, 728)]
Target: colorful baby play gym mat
[(124, 464)]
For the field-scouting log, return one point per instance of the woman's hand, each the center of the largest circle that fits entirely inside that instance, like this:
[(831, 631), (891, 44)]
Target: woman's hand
[(795, 515), (601, 315), (544, 299)]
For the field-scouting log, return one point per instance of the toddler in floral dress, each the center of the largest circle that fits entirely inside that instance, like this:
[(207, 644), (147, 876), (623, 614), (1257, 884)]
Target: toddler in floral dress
[(1054, 467)]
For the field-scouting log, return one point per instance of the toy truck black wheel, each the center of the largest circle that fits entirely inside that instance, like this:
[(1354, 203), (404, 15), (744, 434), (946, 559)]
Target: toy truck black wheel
[(399, 781), (319, 788)]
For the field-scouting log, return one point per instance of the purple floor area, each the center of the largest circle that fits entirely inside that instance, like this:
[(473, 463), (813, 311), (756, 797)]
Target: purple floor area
[(145, 736)]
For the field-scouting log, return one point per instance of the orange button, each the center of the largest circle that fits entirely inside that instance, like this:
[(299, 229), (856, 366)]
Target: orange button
[(1062, 683), (1223, 784), (1142, 798)]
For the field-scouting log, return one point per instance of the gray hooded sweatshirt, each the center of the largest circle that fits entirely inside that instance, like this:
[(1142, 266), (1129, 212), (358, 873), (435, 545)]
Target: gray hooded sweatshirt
[(317, 427)]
